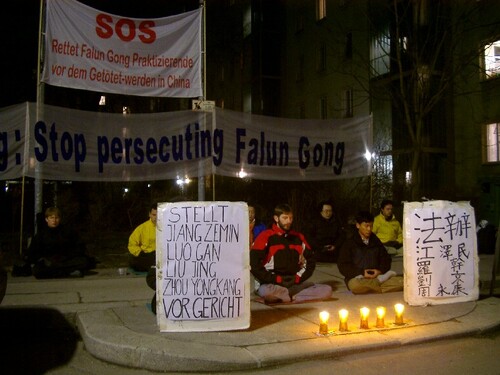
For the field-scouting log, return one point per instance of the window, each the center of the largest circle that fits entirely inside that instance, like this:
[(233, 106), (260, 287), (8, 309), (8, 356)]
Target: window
[(323, 108), (380, 54), (300, 69), (348, 46), (347, 103), (300, 21), (492, 59), (247, 21), (320, 9), (491, 141), (301, 111), (247, 101), (322, 58)]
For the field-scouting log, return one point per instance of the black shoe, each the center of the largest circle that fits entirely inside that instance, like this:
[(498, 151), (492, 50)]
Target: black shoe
[(153, 304)]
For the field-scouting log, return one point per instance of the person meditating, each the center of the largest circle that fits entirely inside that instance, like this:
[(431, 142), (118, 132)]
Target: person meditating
[(57, 250), (142, 244), (281, 260), (365, 263)]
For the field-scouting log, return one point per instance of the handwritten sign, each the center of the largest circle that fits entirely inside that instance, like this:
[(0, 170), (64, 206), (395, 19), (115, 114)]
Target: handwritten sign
[(440, 260), (203, 267)]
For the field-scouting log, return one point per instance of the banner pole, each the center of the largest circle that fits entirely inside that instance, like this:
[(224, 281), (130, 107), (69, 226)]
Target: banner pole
[(39, 102), (201, 174), (22, 218)]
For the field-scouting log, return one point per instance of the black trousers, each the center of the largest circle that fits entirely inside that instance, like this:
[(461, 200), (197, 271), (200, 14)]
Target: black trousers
[(50, 268), (143, 262)]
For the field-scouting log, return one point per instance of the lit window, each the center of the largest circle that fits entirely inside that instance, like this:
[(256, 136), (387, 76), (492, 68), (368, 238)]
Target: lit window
[(491, 143), (247, 101), (380, 54), (320, 9), (247, 21), (403, 43), (492, 59)]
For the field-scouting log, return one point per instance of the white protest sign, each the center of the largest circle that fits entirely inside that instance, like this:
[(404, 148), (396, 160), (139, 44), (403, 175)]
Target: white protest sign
[(440, 256), (89, 49), (203, 268)]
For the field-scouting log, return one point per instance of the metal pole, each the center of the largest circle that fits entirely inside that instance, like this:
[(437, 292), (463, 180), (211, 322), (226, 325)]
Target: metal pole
[(201, 177), (39, 103), (21, 227), (496, 265)]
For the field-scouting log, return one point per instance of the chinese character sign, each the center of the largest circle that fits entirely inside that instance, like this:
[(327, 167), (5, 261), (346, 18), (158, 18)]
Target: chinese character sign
[(440, 259), (203, 267)]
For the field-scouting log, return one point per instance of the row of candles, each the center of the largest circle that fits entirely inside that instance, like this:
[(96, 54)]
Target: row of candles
[(364, 312)]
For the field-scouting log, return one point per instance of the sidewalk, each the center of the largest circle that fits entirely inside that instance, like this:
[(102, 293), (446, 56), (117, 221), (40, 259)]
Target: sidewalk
[(116, 325)]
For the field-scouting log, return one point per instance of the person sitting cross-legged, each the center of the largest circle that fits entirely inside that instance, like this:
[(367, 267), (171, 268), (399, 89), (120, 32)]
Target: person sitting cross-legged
[(365, 263), (326, 233), (388, 229), (142, 244), (57, 250), (281, 260)]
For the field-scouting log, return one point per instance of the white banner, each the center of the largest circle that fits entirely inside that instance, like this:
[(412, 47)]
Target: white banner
[(73, 145), (440, 257), (92, 50), (203, 268)]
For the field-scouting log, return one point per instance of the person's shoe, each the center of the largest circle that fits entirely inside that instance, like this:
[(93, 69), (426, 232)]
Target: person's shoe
[(76, 273), (399, 253)]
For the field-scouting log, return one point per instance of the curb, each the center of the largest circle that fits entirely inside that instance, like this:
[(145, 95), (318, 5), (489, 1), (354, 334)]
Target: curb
[(106, 337)]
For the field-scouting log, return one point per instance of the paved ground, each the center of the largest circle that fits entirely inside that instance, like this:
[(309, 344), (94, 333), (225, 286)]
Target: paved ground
[(113, 319)]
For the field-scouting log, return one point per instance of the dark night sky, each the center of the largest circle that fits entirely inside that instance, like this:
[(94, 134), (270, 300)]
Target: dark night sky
[(19, 30)]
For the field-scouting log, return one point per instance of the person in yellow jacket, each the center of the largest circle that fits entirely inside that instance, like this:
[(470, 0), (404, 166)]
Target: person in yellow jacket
[(142, 244), (388, 229)]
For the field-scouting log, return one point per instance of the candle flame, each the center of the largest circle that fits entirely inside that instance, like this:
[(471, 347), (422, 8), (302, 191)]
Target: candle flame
[(399, 307), (364, 311), (324, 316), (343, 314), (380, 312)]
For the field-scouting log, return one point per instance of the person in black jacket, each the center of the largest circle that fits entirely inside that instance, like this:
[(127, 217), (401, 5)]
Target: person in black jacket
[(57, 250), (282, 260), (326, 234), (365, 263)]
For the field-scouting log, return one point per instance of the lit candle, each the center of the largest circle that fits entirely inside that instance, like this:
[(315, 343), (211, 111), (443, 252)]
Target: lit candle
[(323, 322), (343, 314), (380, 317), (364, 312), (399, 308)]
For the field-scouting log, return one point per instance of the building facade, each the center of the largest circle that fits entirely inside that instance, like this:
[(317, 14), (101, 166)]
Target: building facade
[(426, 70)]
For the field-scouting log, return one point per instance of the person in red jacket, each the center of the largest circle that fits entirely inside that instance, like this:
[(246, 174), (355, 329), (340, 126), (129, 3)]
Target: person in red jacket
[(282, 260)]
